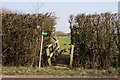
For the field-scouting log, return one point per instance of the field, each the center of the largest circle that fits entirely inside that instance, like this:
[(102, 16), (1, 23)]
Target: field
[(64, 42)]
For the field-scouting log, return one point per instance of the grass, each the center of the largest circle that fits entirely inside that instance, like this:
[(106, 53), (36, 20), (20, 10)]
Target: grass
[(57, 71), (64, 42)]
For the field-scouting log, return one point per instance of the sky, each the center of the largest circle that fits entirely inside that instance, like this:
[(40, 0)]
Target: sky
[(62, 10)]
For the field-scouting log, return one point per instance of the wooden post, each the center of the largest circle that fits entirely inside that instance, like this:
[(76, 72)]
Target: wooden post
[(41, 52), (71, 55), (48, 55)]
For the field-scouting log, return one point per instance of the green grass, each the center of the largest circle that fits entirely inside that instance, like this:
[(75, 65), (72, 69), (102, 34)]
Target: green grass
[(64, 42), (56, 71)]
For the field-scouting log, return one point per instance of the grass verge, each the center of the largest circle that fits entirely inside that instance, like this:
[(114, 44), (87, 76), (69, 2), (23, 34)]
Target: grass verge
[(57, 71)]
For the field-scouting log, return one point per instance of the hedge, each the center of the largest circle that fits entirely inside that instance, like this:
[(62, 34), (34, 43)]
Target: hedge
[(21, 38), (96, 40)]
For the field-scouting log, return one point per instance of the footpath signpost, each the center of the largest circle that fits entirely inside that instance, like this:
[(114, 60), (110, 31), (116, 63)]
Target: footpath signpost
[(43, 34)]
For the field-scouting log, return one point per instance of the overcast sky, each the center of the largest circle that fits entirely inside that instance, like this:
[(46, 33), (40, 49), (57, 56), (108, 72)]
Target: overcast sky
[(63, 10)]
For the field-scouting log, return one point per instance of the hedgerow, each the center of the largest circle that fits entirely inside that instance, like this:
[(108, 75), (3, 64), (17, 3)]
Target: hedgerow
[(21, 38), (95, 37)]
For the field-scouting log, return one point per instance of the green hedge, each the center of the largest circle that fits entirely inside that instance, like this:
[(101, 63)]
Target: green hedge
[(21, 38), (95, 39)]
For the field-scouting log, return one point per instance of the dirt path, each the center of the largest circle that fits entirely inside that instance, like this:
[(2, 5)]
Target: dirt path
[(62, 60)]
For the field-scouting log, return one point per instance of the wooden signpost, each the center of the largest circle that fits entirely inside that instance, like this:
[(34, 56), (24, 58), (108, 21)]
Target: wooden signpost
[(43, 34)]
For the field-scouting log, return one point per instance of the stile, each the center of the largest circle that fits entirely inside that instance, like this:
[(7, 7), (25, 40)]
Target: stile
[(50, 53)]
